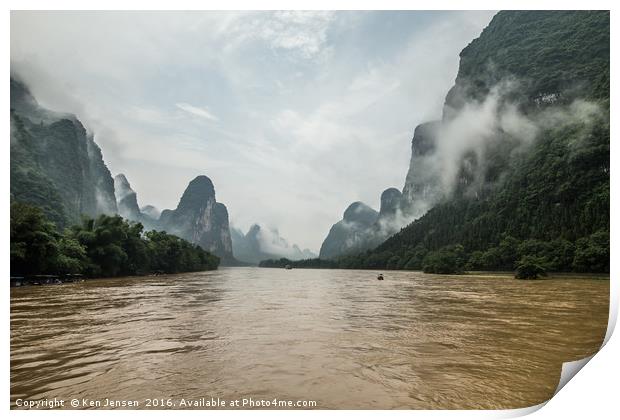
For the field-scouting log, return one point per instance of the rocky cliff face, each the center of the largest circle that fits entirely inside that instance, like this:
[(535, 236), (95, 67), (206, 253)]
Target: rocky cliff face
[(351, 233), (55, 163), (260, 244), (500, 104), (521, 151), (127, 203), (422, 187), (126, 199), (200, 219), (150, 211), (363, 228)]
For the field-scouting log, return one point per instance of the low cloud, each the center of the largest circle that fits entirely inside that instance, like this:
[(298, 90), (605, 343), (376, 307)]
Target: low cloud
[(463, 139), (293, 115), (202, 112)]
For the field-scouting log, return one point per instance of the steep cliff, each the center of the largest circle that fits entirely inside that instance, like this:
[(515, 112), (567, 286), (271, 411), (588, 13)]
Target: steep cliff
[(126, 199), (200, 219), (127, 203), (150, 211), (363, 228), (351, 233), (422, 187), (519, 163), (55, 163)]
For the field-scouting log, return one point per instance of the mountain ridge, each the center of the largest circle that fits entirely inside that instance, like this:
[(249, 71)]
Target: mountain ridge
[(55, 163), (519, 163)]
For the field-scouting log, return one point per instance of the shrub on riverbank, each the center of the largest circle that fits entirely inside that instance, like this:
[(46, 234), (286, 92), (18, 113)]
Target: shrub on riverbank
[(107, 246), (530, 268)]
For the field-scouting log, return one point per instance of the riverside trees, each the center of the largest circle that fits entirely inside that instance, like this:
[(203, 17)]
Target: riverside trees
[(107, 246)]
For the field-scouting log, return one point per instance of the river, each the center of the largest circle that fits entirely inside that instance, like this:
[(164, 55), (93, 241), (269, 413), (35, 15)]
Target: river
[(337, 337)]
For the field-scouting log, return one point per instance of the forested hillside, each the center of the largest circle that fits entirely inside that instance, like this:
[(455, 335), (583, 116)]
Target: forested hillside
[(55, 163), (536, 183)]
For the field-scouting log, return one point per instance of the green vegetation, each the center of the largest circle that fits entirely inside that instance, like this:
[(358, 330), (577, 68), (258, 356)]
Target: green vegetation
[(587, 254), (107, 246), (548, 200), (29, 183), (554, 51), (55, 164), (447, 260), (529, 268), (308, 263)]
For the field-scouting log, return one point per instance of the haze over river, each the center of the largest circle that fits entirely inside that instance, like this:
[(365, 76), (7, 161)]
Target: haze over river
[(338, 337)]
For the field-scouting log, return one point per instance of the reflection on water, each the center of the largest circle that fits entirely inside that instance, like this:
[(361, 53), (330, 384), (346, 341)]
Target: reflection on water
[(338, 337)]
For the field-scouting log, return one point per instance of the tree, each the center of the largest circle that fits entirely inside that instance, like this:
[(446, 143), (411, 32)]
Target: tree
[(476, 261), (107, 246), (416, 258), (393, 263), (102, 239), (530, 267), (447, 260), (72, 257), (592, 253), (34, 241)]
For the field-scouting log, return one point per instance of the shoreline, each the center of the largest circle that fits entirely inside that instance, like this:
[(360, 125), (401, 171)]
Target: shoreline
[(480, 274)]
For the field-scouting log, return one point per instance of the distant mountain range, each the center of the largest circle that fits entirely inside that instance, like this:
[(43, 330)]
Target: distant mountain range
[(362, 227), (57, 166), (519, 159), (260, 244)]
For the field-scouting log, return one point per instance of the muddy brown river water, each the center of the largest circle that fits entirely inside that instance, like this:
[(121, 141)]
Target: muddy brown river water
[(339, 338)]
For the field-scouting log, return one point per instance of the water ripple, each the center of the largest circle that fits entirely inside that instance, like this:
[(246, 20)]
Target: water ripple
[(338, 337)]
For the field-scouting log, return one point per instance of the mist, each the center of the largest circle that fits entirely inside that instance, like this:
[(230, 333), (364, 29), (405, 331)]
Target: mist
[(292, 115), (477, 126)]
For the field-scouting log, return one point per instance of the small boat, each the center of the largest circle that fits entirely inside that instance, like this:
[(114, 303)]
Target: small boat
[(380, 277)]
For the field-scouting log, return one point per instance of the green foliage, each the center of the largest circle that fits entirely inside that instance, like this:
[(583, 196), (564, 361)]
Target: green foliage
[(447, 260), (592, 253), (34, 241), (55, 163), (171, 254), (415, 258), (72, 256), (103, 239), (308, 263), (550, 51), (104, 247), (530, 268), (549, 199), (29, 184)]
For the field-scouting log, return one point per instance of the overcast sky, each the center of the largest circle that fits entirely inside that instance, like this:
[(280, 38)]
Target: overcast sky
[(293, 115)]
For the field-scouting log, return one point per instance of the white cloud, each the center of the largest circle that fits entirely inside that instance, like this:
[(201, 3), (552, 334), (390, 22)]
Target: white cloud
[(314, 110), (202, 112), (301, 32)]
